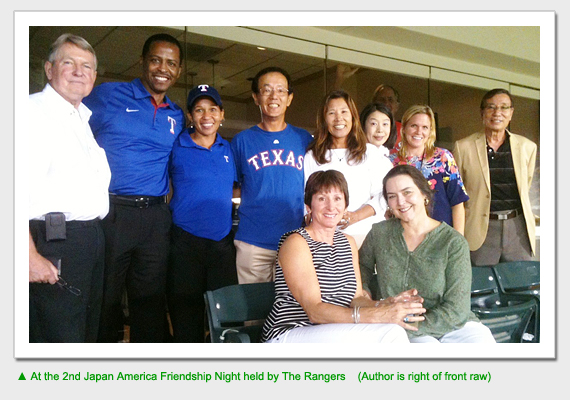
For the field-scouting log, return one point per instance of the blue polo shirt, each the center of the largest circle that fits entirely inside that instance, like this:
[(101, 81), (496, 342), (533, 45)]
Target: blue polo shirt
[(137, 136), (202, 185)]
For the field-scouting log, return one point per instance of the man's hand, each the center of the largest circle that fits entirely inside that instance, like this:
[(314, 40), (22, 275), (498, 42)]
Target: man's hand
[(41, 270)]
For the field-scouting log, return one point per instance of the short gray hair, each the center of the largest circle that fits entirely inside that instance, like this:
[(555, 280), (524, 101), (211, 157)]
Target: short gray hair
[(73, 39)]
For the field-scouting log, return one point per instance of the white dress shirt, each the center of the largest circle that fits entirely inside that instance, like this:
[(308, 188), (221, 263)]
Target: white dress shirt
[(68, 171)]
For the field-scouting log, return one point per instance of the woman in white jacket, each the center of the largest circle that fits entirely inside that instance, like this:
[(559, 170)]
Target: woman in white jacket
[(340, 144)]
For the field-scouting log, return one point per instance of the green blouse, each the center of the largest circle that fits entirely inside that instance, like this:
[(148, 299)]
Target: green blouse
[(439, 268)]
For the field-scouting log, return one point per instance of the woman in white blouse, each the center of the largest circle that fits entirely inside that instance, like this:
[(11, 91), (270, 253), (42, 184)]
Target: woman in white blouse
[(340, 144)]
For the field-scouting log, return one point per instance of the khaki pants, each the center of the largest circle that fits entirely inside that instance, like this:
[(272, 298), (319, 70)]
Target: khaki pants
[(253, 263), (507, 240)]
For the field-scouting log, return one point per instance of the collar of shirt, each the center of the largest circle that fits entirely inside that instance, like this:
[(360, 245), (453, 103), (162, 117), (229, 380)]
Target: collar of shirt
[(187, 141), (140, 92), (507, 138), (58, 104)]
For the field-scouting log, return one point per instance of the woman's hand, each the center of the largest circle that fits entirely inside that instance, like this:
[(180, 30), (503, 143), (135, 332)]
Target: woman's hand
[(348, 218), (352, 217), (402, 309), (409, 296), (399, 313)]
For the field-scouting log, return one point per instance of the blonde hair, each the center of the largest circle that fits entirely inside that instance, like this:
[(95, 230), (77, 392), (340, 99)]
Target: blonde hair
[(430, 143)]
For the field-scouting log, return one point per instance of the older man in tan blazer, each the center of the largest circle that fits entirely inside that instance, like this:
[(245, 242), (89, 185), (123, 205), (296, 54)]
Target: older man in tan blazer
[(497, 169)]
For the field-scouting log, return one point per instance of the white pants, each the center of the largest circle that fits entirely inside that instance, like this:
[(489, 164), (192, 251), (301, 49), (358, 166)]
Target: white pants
[(344, 333), (254, 264), (472, 332)]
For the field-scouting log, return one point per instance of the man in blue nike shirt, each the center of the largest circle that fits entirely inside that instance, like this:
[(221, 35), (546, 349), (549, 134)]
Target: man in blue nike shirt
[(136, 123)]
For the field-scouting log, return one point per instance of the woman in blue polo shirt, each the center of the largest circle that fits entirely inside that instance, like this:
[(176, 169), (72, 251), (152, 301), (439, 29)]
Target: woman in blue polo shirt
[(202, 254)]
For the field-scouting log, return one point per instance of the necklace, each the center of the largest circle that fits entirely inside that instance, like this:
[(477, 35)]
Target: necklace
[(335, 152)]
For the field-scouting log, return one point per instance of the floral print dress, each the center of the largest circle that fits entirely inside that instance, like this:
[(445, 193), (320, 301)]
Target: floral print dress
[(443, 176)]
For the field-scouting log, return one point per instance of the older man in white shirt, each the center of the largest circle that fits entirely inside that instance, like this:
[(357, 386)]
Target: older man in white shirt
[(68, 195)]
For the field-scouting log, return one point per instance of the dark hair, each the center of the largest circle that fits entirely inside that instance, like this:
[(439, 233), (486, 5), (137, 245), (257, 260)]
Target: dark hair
[(493, 93), (325, 180), (382, 87), (372, 107), (356, 140), (268, 70), (161, 37), (419, 180)]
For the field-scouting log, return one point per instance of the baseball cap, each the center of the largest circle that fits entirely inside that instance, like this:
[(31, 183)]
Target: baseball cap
[(201, 91)]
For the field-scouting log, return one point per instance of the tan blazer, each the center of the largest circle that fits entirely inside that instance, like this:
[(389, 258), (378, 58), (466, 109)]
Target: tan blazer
[(471, 157)]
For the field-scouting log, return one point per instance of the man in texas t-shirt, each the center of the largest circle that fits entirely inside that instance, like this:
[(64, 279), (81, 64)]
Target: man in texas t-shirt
[(269, 162)]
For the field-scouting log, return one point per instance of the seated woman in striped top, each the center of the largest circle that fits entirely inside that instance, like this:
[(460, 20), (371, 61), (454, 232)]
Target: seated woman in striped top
[(318, 290)]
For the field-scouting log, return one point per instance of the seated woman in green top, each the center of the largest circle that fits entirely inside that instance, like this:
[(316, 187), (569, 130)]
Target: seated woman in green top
[(412, 250)]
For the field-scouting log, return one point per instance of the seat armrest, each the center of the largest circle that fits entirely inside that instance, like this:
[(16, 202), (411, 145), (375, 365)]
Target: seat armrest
[(234, 336)]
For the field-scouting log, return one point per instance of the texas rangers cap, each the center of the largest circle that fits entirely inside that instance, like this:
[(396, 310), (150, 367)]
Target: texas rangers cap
[(201, 91)]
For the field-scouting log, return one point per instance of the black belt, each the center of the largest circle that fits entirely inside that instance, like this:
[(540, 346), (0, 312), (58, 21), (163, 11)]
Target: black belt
[(78, 223), (504, 216), (137, 201)]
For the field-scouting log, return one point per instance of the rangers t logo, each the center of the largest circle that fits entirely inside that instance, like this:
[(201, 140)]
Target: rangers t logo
[(172, 124)]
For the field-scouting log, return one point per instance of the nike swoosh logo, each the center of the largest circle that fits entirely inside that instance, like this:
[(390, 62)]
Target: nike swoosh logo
[(129, 110)]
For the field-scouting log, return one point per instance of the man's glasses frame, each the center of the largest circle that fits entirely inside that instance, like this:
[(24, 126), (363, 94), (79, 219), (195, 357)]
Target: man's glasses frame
[(268, 91), (493, 107), (71, 289)]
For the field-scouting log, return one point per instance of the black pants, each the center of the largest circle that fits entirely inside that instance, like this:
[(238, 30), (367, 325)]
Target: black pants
[(56, 313), (137, 243), (196, 265)]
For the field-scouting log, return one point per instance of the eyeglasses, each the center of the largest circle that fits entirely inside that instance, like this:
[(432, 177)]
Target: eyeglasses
[(64, 285), (493, 108), (268, 91)]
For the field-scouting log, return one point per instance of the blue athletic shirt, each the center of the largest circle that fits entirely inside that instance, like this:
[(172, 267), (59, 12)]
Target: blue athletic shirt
[(270, 170), (136, 135), (202, 186)]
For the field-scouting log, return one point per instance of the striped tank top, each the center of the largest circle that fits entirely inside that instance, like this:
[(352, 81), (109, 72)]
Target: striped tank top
[(337, 281)]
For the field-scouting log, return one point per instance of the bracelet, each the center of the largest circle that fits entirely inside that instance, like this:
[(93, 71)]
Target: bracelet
[(356, 314), (378, 303)]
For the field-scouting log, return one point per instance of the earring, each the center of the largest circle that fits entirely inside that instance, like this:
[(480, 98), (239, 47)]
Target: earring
[(308, 219), (426, 201)]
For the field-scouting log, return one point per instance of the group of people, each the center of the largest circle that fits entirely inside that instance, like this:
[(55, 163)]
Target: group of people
[(391, 265)]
